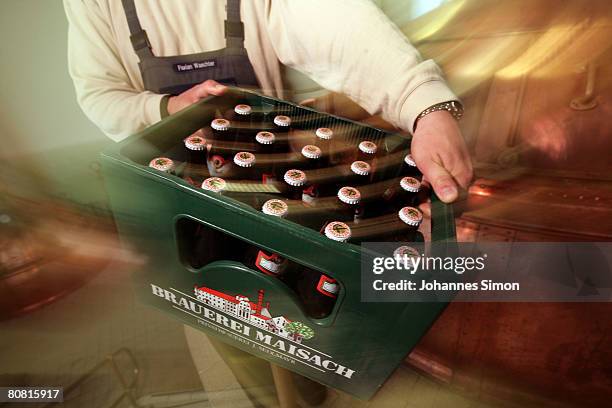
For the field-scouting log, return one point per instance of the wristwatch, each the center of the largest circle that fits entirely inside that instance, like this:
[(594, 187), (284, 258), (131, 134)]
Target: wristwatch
[(453, 107)]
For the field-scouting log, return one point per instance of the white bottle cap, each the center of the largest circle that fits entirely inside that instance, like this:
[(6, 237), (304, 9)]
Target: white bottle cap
[(277, 208), (338, 231), (194, 142), (349, 195), (295, 178), (410, 184), (162, 164), (220, 124), (243, 109), (265, 138), (411, 216), (324, 133), (214, 184), (368, 147), (282, 120), (244, 159), (361, 168), (311, 152)]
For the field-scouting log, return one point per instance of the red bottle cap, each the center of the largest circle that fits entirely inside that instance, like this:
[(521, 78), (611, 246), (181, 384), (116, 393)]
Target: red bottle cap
[(282, 120), (243, 109), (361, 168), (311, 152)]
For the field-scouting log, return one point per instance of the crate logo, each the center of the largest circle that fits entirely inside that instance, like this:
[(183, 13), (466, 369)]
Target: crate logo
[(252, 324), (256, 314)]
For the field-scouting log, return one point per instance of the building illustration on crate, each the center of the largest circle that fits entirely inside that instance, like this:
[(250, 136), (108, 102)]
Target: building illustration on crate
[(257, 314)]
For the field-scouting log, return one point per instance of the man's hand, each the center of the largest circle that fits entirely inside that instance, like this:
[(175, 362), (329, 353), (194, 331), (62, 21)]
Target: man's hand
[(193, 95), (441, 154)]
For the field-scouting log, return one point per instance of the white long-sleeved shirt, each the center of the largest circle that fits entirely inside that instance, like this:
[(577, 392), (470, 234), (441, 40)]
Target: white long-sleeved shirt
[(347, 46)]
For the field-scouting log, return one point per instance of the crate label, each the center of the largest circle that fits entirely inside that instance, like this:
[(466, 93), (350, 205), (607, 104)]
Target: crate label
[(240, 319)]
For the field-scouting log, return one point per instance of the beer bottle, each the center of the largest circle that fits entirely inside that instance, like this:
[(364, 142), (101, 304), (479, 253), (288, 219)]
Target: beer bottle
[(295, 182), (361, 173), (241, 119), (401, 194), (265, 142), (406, 225), (367, 151), (311, 158), (317, 292), (220, 163), (282, 127), (162, 164), (349, 205), (409, 168), (406, 254), (244, 162), (324, 142), (265, 261), (194, 170), (220, 130)]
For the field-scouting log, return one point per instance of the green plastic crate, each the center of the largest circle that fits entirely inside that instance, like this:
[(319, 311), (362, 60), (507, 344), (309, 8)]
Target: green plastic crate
[(355, 349)]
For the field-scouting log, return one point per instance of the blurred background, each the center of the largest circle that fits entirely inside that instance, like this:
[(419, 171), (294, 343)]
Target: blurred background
[(536, 80)]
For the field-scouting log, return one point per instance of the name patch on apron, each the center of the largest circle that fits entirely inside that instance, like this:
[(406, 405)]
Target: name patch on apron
[(195, 66)]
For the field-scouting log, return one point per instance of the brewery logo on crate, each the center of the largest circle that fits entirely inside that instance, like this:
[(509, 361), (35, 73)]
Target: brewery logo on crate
[(253, 324)]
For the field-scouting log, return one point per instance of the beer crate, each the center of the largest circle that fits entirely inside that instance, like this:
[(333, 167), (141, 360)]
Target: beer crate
[(354, 349)]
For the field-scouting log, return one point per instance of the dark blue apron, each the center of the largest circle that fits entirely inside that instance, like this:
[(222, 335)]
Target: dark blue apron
[(175, 74)]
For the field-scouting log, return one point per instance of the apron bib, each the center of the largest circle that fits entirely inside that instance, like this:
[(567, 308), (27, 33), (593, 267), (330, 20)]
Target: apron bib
[(175, 74)]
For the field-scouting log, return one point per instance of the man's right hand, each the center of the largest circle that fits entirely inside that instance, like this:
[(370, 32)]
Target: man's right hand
[(193, 95)]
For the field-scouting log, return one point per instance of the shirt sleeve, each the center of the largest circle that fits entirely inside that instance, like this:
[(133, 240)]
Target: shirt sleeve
[(103, 88), (351, 47)]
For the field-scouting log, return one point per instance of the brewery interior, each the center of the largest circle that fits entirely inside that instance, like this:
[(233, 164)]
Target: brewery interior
[(536, 80)]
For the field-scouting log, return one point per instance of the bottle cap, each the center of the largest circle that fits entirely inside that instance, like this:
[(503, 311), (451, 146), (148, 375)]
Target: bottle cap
[(214, 184), (194, 142), (162, 164), (411, 216), (361, 168), (324, 133), (311, 152), (282, 120), (265, 138), (220, 124), (244, 159), (406, 250), (349, 195), (368, 147), (338, 231), (409, 160), (410, 184), (277, 208), (243, 109), (295, 178)]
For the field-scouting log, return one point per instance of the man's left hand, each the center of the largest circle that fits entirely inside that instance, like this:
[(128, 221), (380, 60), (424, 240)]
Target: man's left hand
[(441, 154)]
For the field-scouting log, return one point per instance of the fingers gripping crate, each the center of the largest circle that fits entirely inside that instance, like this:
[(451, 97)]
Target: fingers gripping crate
[(354, 347)]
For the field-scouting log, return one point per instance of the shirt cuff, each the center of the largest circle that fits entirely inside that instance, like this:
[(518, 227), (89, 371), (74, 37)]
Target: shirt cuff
[(427, 94)]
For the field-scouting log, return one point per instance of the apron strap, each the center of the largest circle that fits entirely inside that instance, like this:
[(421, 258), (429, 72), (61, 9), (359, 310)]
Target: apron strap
[(138, 36), (234, 29)]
